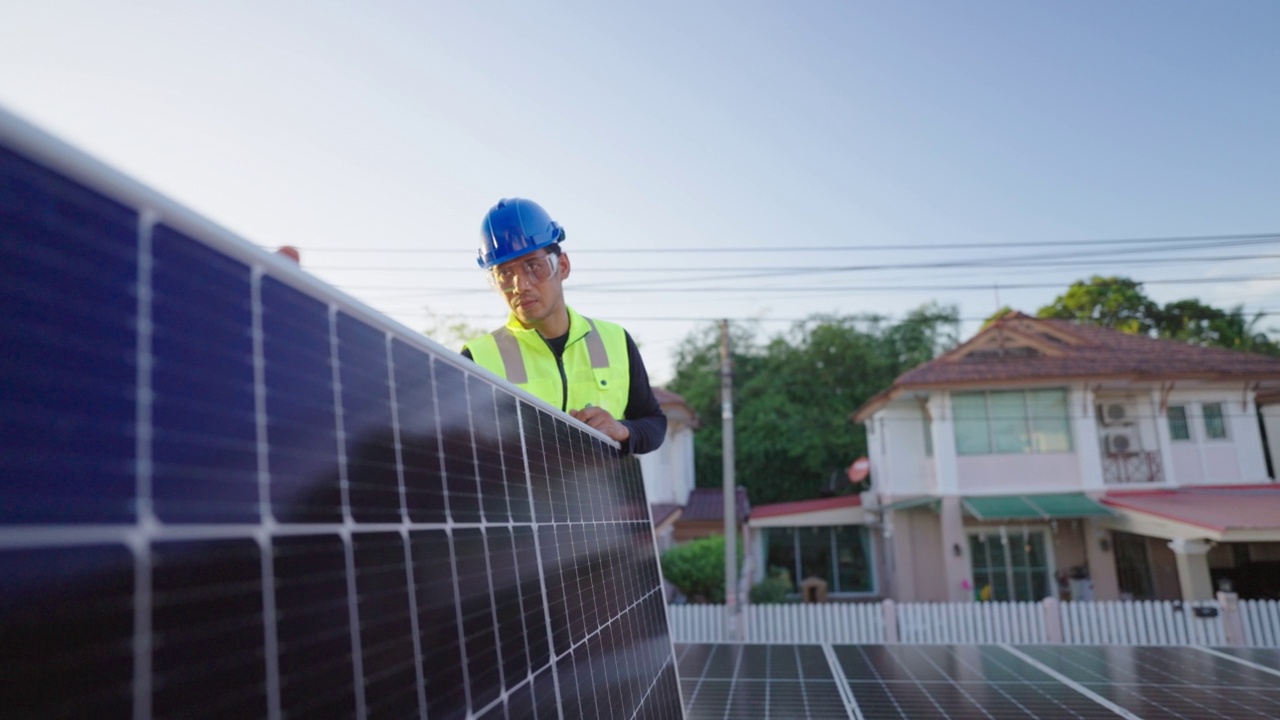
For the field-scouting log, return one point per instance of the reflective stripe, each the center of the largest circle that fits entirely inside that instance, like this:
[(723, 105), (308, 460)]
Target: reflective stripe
[(512, 358), (595, 347)]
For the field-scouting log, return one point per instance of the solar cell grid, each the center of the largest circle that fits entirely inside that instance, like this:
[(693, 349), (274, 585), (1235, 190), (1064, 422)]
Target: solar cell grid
[(1172, 682), (228, 491)]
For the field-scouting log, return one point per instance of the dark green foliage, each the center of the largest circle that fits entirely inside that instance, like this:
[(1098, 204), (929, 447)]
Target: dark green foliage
[(774, 589), (793, 395), (1120, 304), (1113, 302), (697, 568)]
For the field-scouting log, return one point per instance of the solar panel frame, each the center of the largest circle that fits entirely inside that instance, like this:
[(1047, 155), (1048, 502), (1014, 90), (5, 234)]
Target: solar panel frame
[(289, 522)]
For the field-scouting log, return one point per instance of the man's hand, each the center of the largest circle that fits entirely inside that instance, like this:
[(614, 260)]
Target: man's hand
[(600, 419)]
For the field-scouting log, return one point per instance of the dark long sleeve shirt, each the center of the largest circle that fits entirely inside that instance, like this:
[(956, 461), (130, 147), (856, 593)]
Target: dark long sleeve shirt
[(643, 417)]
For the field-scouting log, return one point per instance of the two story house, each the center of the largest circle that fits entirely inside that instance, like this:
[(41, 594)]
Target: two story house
[(1049, 458)]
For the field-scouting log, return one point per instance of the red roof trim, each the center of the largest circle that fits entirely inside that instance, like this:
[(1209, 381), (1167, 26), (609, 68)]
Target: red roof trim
[(805, 506)]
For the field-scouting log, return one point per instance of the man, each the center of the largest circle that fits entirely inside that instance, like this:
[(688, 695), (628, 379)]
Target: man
[(588, 368)]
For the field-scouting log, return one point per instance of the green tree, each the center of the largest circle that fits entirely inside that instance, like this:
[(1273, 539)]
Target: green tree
[(697, 568), (1120, 304), (1111, 302), (1194, 322), (794, 392)]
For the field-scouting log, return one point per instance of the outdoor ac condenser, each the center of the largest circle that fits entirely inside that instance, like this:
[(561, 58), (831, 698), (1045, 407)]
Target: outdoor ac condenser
[(1121, 441)]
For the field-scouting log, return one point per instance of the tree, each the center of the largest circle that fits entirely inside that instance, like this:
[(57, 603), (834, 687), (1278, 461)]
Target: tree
[(1120, 304), (1111, 302), (1194, 322), (793, 395)]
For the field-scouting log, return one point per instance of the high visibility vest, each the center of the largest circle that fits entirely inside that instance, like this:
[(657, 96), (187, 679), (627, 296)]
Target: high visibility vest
[(594, 369)]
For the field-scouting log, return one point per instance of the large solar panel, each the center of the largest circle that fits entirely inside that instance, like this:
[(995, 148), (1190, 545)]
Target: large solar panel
[(229, 491), (993, 682)]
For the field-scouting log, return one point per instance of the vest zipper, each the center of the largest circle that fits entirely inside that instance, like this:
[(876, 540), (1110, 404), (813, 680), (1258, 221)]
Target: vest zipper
[(564, 385)]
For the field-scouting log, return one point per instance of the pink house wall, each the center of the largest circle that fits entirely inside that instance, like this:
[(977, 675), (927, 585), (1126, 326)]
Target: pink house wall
[(1029, 472)]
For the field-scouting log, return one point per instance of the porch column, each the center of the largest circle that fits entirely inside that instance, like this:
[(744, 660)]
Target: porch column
[(957, 565), (1084, 432), (1193, 568)]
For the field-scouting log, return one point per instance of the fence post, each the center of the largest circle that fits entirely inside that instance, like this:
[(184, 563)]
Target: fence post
[(1052, 620), (1232, 623), (890, 609)]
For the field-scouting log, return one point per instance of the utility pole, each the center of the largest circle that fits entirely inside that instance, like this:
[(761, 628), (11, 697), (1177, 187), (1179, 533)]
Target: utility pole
[(730, 488)]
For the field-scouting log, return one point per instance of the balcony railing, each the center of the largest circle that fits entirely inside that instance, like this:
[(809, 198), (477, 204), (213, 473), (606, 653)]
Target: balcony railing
[(1126, 468)]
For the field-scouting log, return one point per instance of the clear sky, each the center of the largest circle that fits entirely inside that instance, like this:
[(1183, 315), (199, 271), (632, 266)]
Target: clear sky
[(768, 160)]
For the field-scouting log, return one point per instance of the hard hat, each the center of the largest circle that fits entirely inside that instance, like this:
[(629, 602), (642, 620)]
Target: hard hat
[(515, 227)]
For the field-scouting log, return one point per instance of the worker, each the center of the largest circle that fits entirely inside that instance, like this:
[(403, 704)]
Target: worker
[(587, 367)]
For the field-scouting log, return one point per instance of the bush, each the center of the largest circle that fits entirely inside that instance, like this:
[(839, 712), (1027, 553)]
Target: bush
[(771, 590), (697, 568)]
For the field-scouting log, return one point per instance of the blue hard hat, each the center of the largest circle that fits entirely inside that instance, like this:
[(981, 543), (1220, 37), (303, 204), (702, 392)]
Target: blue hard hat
[(515, 227)]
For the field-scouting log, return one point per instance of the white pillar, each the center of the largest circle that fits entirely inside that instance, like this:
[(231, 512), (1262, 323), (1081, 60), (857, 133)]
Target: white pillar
[(1168, 471), (1193, 568), (953, 536), (1084, 433), (944, 444)]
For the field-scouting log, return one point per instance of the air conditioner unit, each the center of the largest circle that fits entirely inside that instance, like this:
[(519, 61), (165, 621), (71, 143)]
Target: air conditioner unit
[(1113, 414), (1122, 441)]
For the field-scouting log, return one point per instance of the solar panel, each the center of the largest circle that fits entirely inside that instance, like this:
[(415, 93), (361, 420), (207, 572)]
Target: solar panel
[(229, 491), (760, 681), (995, 682)]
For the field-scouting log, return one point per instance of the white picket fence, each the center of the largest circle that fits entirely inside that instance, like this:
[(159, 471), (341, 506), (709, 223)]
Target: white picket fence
[(1254, 623)]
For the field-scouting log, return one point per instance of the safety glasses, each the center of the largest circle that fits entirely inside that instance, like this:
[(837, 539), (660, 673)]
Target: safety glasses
[(530, 271)]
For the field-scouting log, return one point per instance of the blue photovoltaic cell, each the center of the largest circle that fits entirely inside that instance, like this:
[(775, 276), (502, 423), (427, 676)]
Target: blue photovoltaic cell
[(68, 626), (434, 585), (488, 451), (216, 667), (373, 488), (313, 626), (459, 456), (302, 435), (387, 640), (231, 492), (69, 358), (418, 438), (204, 448)]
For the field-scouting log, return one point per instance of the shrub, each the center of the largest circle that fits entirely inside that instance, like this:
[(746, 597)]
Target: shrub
[(697, 568), (771, 590)]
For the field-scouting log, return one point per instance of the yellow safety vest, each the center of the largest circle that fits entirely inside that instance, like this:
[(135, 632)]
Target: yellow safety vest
[(594, 369)]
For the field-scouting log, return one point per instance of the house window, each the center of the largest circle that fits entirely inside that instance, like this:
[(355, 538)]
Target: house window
[(840, 555), (1011, 421), (1009, 565), (928, 438), (1215, 427), (1178, 427)]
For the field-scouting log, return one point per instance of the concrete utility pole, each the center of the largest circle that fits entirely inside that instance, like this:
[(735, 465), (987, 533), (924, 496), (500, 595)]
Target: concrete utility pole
[(730, 488)]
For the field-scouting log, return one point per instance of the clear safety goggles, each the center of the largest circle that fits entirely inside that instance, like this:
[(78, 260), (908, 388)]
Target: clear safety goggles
[(530, 271)]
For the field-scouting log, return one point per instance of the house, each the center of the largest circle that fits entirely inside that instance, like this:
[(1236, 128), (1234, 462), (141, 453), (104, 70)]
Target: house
[(668, 471), (825, 538), (1050, 458)]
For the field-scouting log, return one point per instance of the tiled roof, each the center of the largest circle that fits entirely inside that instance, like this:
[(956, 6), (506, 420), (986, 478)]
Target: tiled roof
[(662, 512), (708, 504), (1020, 348), (1214, 508), (805, 506)]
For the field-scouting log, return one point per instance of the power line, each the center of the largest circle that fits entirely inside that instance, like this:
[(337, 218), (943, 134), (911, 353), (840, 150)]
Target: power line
[(837, 289), (826, 248)]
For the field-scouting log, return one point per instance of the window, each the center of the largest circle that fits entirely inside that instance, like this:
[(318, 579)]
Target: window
[(1178, 427), (1009, 565), (928, 438), (1215, 427), (1011, 421), (840, 555)]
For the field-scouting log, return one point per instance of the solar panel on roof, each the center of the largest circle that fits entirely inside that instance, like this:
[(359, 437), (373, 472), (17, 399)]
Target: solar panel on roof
[(228, 491)]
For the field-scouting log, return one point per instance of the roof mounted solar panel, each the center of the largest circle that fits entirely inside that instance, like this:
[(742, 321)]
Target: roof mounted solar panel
[(228, 490)]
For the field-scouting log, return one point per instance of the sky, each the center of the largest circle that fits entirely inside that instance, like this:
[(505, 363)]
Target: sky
[(755, 161)]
